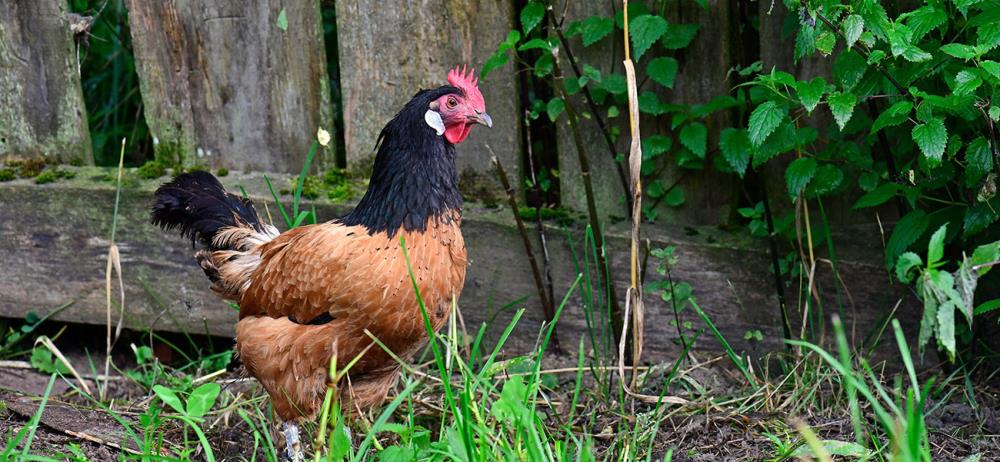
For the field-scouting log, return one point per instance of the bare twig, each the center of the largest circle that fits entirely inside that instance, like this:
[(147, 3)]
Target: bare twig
[(617, 317), (512, 200), (539, 225)]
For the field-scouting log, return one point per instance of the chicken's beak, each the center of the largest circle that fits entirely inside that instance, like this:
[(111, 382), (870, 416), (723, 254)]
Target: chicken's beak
[(481, 118)]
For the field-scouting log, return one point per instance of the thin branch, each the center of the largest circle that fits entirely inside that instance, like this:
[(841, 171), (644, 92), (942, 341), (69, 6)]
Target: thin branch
[(512, 200)]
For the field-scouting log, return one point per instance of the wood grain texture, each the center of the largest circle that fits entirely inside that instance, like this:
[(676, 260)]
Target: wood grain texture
[(390, 49), (42, 112), (224, 86)]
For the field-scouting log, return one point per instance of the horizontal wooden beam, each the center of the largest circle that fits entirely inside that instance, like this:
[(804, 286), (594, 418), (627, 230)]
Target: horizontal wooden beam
[(56, 237)]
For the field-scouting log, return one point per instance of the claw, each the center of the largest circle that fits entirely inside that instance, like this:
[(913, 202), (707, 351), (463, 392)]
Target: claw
[(293, 449)]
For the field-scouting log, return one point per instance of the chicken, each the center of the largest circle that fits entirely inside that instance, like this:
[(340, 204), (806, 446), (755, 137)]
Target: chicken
[(309, 294)]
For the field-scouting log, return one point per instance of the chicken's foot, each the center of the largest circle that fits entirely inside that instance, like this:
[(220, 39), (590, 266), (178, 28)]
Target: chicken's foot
[(293, 449)]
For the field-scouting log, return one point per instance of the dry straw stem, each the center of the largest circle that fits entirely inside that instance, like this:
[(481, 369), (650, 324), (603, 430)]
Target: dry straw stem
[(47, 343), (633, 301), (114, 262)]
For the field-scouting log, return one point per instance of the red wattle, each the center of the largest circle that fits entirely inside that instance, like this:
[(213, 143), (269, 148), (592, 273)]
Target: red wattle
[(457, 133)]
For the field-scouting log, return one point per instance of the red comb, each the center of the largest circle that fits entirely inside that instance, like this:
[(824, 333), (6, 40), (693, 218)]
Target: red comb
[(466, 80)]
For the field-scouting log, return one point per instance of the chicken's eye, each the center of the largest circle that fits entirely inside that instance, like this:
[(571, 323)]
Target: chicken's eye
[(452, 102)]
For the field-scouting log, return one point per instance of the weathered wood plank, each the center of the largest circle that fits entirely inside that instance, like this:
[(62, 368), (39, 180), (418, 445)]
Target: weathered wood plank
[(391, 49), (42, 112), (55, 243), (225, 86)]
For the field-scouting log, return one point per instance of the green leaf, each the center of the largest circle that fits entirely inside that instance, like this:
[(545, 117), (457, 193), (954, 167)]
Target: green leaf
[(984, 255), (895, 115), (644, 31), (169, 397), (592, 73), (282, 21), (877, 196), (495, 61), (614, 84), (810, 92), (544, 65), (735, 146), (828, 178), (907, 230), (960, 50), (675, 198), (908, 266), (992, 68), (946, 327), (849, 69), (931, 137), (202, 399), (842, 107), (653, 146), (535, 44), (531, 16), (662, 70), (923, 20), (510, 406), (799, 173), (854, 25), (649, 103), (978, 218), (694, 136), (988, 36), (825, 42), (978, 161), (595, 28), (935, 248), (966, 82), (554, 108), (987, 306), (679, 36), (764, 119)]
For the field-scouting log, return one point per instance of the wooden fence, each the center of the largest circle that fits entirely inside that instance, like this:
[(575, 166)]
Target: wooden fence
[(229, 84)]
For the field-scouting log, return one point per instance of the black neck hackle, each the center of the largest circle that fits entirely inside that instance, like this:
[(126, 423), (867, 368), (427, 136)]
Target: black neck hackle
[(414, 177)]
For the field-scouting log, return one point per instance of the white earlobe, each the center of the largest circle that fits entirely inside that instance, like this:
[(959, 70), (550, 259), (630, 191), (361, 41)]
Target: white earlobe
[(433, 119)]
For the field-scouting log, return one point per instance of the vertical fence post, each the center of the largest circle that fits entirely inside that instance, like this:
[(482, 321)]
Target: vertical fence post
[(241, 85), (42, 113), (389, 50)]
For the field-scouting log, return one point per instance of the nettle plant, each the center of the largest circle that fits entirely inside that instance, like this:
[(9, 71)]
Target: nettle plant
[(540, 48), (915, 100)]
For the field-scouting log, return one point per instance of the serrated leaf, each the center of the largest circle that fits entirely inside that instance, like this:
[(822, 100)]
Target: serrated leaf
[(649, 103), (992, 68), (923, 20), (966, 82), (908, 266), (531, 16), (878, 196), (935, 247), (495, 61), (799, 173), (554, 108), (842, 107), (959, 50), (984, 255), (644, 31), (595, 28), (978, 161), (592, 73), (735, 146), (694, 136), (544, 65), (810, 92), (282, 21), (828, 178), (534, 44), (988, 36), (662, 70), (675, 197), (764, 119), (978, 218), (854, 25), (946, 327), (614, 84), (653, 146), (894, 115), (679, 36), (825, 42), (931, 137), (782, 140), (907, 230), (849, 68)]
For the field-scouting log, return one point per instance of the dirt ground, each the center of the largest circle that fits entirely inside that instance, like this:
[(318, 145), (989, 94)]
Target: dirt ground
[(955, 430)]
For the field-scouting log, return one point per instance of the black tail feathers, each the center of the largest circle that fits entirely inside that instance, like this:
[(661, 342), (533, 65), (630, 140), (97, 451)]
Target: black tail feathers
[(198, 205)]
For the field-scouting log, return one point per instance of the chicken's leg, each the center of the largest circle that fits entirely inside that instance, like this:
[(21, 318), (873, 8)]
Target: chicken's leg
[(293, 449)]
